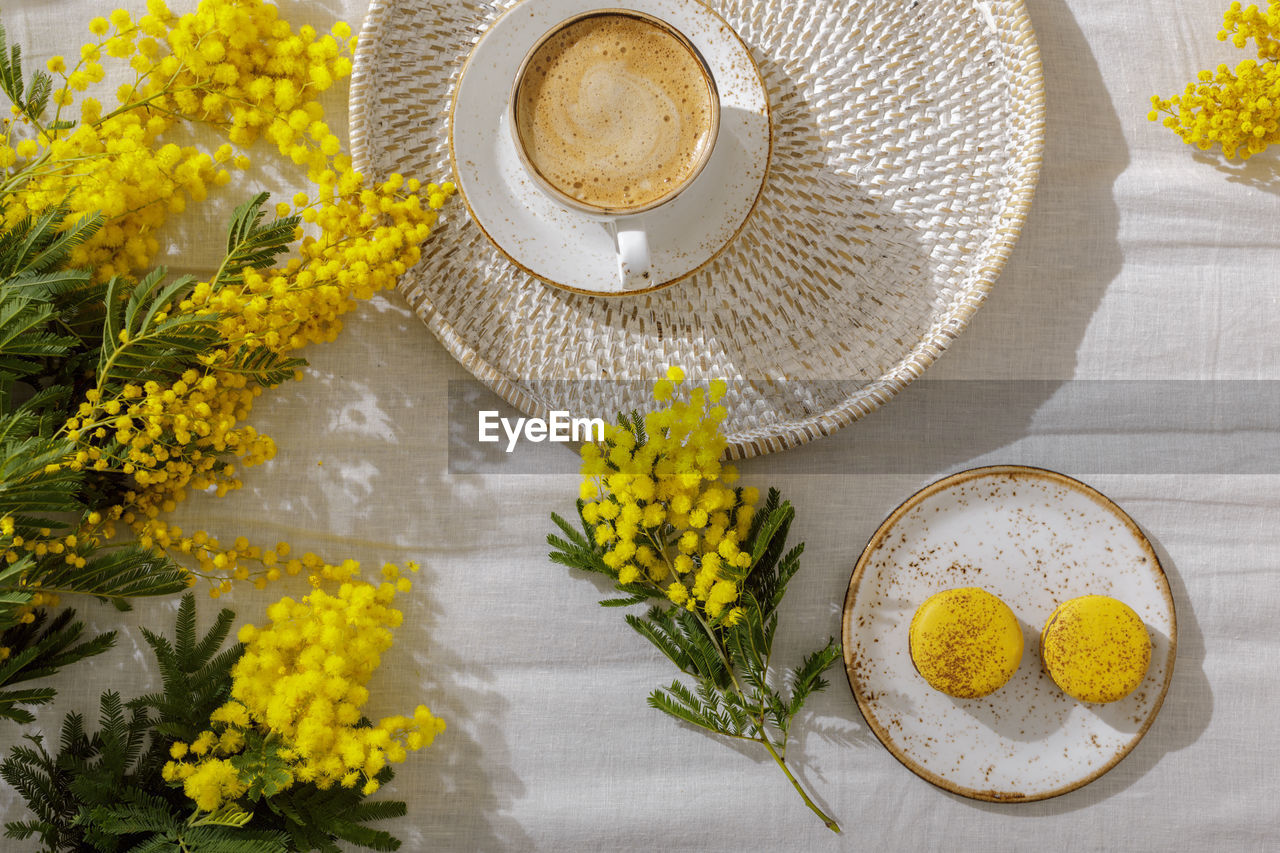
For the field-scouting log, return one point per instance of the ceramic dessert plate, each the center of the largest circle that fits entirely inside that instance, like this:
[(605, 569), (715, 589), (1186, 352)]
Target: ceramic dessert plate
[(1034, 538)]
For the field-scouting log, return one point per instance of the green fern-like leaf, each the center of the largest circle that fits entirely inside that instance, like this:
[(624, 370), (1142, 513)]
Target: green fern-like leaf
[(577, 550), (657, 629), (638, 430), (136, 811), (39, 416), (742, 724), (806, 679), (261, 768), (172, 673), (38, 96), (22, 829), (33, 481), (74, 741), (9, 699), (565, 548), (578, 539), (785, 570), (146, 299), (11, 590), (48, 285), (39, 780), (184, 634), (771, 569), (679, 702), (263, 366), (316, 817), (10, 69), (137, 345), (26, 343), (582, 562), (637, 598), (33, 100), (40, 244), (195, 673), (38, 650), (252, 244), (748, 654), (368, 811), (23, 337), (156, 844), (226, 839), (701, 648), (772, 500), (771, 534), (122, 736), (128, 572)]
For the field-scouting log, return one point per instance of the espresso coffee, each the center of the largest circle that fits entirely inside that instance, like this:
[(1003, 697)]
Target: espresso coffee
[(615, 111)]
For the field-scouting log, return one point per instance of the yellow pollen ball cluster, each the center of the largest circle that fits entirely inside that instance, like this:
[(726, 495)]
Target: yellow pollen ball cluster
[(14, 547), (231, 64), (663, 505), (1238, 109), (303, 679), (237, 67)]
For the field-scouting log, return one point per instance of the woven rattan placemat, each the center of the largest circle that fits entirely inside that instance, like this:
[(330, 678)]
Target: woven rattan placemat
[(907, 143)]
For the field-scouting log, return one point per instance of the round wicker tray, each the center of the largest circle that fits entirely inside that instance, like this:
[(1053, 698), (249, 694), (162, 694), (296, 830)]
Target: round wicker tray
[(906, 145)]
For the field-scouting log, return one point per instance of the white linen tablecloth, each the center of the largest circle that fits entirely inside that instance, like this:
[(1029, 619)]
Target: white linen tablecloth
[(1139, 261)]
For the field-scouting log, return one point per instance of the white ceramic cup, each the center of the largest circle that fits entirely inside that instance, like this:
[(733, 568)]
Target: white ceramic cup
[(625, 224)]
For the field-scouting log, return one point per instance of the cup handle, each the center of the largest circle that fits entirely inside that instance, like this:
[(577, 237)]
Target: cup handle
[(635, 269)]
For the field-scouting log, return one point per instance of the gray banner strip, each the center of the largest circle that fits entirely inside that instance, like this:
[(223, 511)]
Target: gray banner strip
[(1075, 426)]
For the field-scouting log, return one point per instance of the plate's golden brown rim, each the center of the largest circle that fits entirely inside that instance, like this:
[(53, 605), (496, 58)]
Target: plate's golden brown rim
[(764, 180), (882, 734)]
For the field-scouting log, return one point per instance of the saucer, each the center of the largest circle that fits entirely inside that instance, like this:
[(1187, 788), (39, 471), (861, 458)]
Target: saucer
[(571, 250), (1034, 538)]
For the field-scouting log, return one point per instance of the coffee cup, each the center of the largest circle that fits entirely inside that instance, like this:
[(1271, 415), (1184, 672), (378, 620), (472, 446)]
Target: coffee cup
[(615, 113)]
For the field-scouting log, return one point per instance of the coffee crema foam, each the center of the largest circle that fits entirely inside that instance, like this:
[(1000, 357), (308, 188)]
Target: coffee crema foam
[(615, 111)]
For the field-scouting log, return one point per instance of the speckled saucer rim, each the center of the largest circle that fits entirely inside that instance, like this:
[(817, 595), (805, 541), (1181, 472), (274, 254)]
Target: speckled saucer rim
[(873, 544)]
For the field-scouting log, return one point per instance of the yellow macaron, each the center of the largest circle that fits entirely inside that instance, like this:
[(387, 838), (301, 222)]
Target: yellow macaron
[(965, 642), (1095, 648)]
